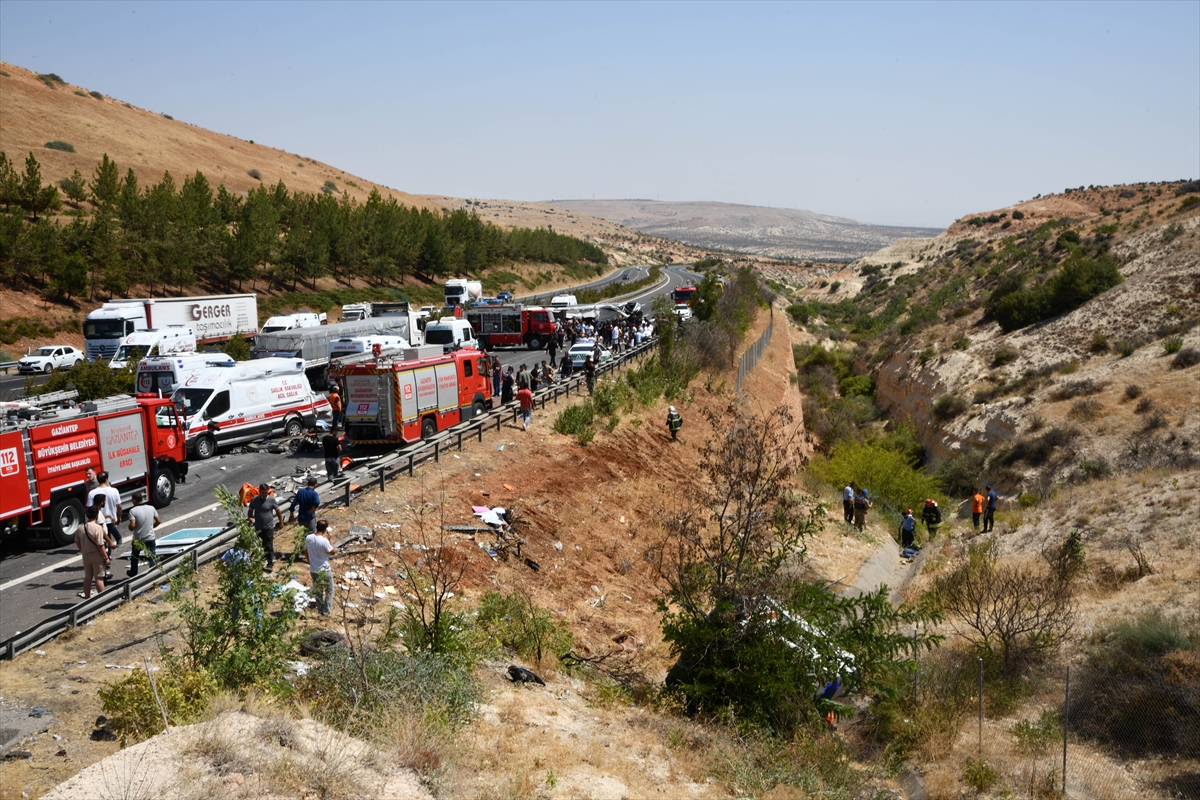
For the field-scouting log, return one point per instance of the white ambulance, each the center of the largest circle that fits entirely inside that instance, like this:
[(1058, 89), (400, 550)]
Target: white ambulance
[(161, 375), (246, 401), (171, 340)]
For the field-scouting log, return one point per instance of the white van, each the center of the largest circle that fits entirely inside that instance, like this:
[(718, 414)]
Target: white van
[(451, 333), (161, 374), (301, 319), (246, 401), (561, 300), (352, 345), (153, 342)]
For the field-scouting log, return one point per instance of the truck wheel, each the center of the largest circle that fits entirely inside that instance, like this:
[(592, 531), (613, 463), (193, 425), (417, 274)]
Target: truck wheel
[(293, 427), (477, 409), (65, 519), (162, 488), (428, 428), (206, 447), (535, 342)]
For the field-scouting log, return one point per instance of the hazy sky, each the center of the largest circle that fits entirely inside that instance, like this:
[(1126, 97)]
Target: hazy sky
[(891, 113)]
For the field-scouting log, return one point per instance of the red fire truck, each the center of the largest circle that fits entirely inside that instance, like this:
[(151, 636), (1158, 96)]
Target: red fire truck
[(684, 294), (507, 326), (137, 441), (409, 395)]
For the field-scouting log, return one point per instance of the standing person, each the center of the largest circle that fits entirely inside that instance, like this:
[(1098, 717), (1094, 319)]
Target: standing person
[(908, 529), (989, 511), (89, 481), (547, 373), (89, 538), (319, 550), (143, 519), (932, 517), (535, 377), (977, 508), (848, 503), (566, 367), (112, 504), (110, 544), (674, 422), (589, 374), (525, 397), (497, 376), (506, 389), (862, 503), (522, 378), (308, 501), (331, 445), (552, 348), (335, 403), (264, 512)]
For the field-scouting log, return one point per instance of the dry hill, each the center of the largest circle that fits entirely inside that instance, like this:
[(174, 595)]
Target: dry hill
[(770, 232)]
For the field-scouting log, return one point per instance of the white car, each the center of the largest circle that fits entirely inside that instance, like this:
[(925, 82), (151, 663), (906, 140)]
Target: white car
[(48, 359), (584, 348), (683, 311)]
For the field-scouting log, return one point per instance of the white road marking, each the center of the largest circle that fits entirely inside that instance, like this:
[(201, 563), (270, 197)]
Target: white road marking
[(38, 573)]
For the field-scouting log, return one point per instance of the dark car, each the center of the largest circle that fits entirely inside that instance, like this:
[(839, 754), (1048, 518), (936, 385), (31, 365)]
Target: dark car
[(504, 296)]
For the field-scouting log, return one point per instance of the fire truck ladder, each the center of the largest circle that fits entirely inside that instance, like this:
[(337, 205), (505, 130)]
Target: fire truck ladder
[(118, 402)]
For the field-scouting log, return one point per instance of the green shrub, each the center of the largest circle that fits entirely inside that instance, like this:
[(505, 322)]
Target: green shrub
[(1067, 367), (1133, 391), (948, 406), (857, 386), (891, 476), (133, 712), (961, 342), (572, 420), (1078, 280), (254, 173), (585, 436), (610, 396), (58, 144), (52, 80), (1099, 343), (927, 354), (1172, 344), (92, 379), (168, 116), (1004, 355), (96, 95), (980, 775), (959, 476), (1125, 348), (1018, 215), (236, 348), (329, 187), (532, 632)]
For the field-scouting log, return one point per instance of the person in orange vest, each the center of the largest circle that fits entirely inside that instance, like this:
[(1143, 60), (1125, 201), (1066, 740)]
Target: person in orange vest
[(977, 508), (335, 403)]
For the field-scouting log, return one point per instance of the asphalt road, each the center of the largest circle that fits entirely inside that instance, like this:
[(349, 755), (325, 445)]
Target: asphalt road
[(35, 583), (12, 385)]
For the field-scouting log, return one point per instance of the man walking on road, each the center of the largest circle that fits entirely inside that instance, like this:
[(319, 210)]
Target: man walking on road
[(335, 403), (552, 348), (143, 519), (319, 550), (332, 446), (112, 504), (308, 502), (589, 374), (89, 538), (264, 512)]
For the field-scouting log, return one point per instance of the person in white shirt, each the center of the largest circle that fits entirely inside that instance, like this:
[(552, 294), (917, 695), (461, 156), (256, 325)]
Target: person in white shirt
[(112, 504), (319, 550)]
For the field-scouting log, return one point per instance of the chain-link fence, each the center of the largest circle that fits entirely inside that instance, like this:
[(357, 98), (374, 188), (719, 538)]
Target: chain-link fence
[(1115, 729), (749, 359)]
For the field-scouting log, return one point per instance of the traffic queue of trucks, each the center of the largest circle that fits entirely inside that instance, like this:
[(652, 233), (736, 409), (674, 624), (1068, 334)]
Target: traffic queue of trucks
[(214, 319), (138, 441)]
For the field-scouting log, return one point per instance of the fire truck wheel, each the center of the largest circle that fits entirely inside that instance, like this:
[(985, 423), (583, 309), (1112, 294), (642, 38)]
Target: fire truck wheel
[(66, 518), (206, 447), (477, 409), (163, 488), (293, 427), (428, 428), (535, 343)]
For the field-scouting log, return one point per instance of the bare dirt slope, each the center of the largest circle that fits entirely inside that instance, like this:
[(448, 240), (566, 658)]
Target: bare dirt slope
[(33, 112), (772, 232)]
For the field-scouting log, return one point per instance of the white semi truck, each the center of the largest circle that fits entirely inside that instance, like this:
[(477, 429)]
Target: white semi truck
[(462, 292), (214, 318)]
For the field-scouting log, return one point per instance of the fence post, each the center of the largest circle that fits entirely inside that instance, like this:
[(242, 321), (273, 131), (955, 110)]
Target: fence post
[(382, 480), (981, 708), (347, 493), (1066, 727), (916, 666)]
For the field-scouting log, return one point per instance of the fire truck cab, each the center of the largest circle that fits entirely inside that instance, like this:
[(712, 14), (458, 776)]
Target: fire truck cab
[(45, 451), (407, 395)]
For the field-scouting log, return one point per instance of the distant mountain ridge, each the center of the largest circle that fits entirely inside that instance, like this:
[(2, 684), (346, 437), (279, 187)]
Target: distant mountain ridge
[(773, 232)]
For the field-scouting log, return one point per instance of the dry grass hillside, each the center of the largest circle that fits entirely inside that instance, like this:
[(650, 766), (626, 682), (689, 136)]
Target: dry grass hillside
[(34, 111)]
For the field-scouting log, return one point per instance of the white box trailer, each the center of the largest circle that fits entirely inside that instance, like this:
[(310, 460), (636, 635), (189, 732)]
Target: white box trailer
[(213, 318), (312, 344)]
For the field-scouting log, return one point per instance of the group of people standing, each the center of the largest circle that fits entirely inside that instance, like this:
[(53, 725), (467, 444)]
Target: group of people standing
[(856, 502)]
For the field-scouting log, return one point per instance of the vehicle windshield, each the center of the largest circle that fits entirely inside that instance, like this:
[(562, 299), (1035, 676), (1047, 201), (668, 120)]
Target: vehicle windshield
[(103, 329), (190, 401), (273, 328), (44, 351), (130, 352), (441, 336)]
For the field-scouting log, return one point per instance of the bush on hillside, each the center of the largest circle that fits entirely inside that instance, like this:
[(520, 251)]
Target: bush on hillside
[(891, 477), (948, 406), (58, 144), (1078, 280), (1187, 357)]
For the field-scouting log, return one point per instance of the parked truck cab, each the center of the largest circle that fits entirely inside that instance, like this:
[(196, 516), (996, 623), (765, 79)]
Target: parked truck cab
[(175, 339), (451, 333)]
